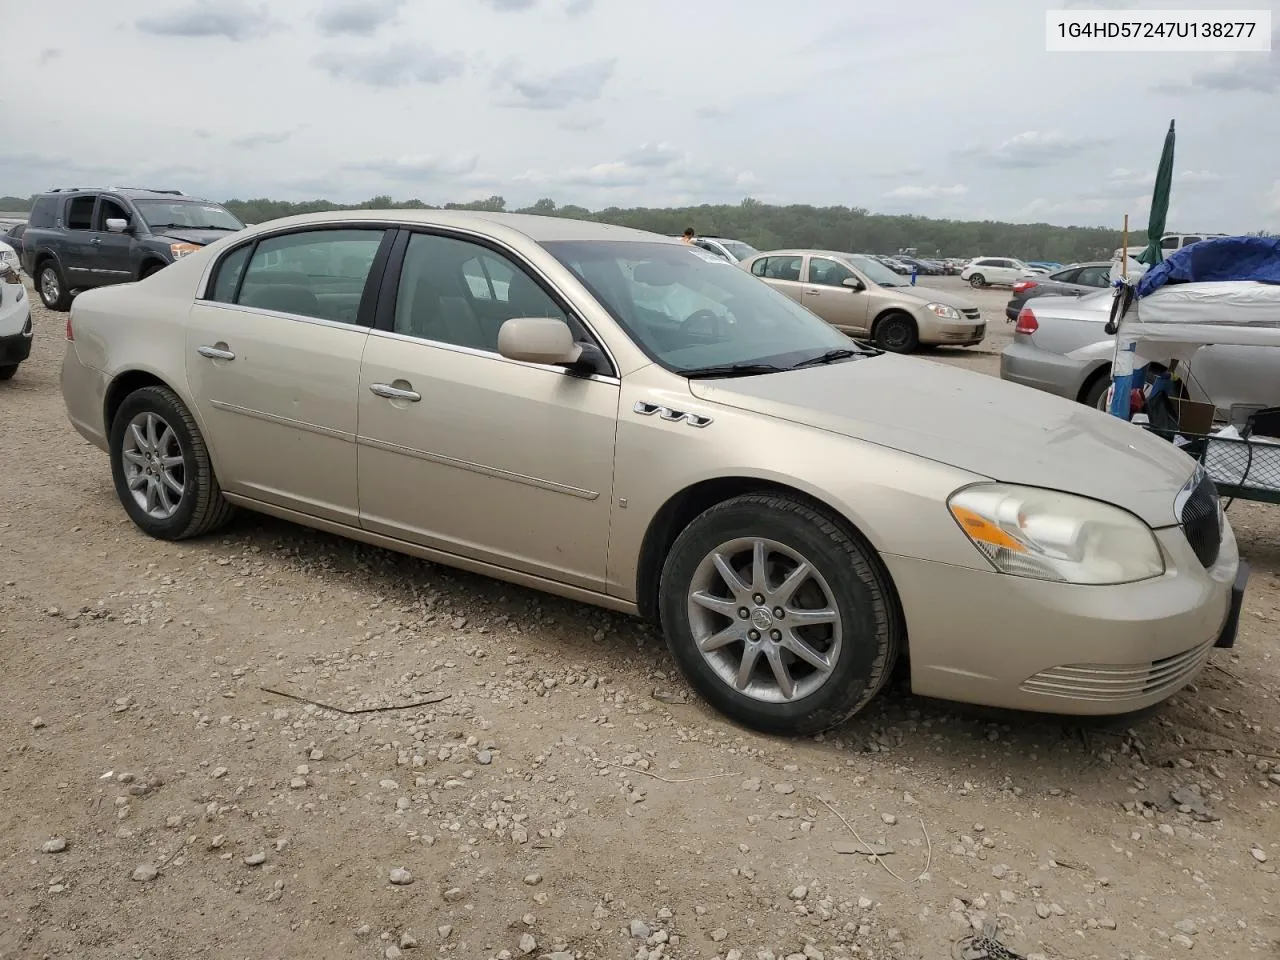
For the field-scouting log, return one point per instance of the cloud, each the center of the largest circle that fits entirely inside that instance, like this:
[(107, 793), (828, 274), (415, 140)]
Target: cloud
[(576, 8), (1271, 202), (893, 173), (581, 124), (931, 192), (1245, 73), (1033, 148), (1041, 207), (425, 166), (395, 66), (580, 84), (230, 19), (48, 54), (264, 139), (358, 17), (650, 165), (511, 6)]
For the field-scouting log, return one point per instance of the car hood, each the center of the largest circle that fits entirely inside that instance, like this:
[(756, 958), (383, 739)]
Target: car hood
[(976, 423), (201, 237), (934, 295)]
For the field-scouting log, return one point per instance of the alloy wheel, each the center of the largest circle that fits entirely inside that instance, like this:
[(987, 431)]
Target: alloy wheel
[(154, 467)]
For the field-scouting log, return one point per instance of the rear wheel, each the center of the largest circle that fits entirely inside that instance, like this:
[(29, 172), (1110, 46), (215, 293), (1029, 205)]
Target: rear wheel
[(6, 373), (777, 615), (897, 333), (161, 467), (52, 286), (977, 280), (150, 269)]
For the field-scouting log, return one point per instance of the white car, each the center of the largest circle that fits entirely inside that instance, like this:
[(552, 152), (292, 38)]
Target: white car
[(995, 272), (15, 315)]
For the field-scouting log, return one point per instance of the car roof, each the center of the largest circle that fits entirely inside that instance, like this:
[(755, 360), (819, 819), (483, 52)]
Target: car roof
[(800, 252), (536, 228), (131, 193)]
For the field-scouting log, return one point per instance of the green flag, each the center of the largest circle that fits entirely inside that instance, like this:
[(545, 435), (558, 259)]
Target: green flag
[(1159, 203)]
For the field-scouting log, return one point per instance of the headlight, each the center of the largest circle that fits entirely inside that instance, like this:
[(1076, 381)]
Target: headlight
[(180, 250), (1047, 535), (944, 311)]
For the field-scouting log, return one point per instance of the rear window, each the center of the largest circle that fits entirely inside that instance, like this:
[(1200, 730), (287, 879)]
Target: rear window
[(44, 212)]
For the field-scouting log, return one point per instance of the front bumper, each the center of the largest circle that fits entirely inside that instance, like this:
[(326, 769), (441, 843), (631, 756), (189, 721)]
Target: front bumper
[(952, 333), (1023, 644), (16, 347), (1027, 364)]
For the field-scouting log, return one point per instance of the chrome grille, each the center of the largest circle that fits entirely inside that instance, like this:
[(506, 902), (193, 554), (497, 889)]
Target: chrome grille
[(1092, 681), (971, 313), (1202, 521)]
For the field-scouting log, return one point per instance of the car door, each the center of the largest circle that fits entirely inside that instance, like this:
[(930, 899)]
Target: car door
[(112, 252), (464, 451), (77, 250), (824, 292), (273, 363), (782, 272)]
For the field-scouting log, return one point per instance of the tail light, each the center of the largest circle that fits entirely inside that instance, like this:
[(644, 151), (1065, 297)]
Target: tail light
[(1022, 285), (1027, 322)]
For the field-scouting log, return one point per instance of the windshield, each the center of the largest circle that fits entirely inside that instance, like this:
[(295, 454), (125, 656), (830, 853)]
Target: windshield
[(689, 309), (876, 271), (191, 214), (739, 249)]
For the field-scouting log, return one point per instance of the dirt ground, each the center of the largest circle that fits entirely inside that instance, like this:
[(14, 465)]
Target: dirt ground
[(567, 797)]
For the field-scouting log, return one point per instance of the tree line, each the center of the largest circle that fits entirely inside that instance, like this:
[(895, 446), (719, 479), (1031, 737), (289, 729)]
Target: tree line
[(768, 226)]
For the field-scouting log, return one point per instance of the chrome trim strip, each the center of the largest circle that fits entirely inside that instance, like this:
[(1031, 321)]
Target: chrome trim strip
[(491, 355), (283, 421), (300, 318), (672, 416), (479, 468)]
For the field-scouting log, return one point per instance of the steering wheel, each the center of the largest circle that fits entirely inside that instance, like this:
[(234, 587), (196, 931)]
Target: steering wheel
[(713, 320)]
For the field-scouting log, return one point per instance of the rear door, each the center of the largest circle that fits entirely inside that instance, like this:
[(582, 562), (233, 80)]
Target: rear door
[(77, 254), (783, 273), (273, 361)]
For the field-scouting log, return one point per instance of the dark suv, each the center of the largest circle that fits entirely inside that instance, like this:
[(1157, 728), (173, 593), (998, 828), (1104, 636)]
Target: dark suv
[(80, 237)]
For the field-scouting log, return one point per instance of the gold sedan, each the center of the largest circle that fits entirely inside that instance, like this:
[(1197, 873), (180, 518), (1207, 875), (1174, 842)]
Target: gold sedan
[(633, 422)]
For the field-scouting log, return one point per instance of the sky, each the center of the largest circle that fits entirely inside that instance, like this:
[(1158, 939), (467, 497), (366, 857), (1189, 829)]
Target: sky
[(933, 107)]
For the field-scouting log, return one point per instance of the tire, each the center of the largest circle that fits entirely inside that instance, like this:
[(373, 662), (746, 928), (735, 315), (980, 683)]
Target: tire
[(200, 508), (859, 648), (1097, 392), (150, 269), (978, 281), (52, 287), (897, 333), (6, 373)]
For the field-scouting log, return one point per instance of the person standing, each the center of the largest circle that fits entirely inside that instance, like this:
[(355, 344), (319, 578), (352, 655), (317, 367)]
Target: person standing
[(688, 235)]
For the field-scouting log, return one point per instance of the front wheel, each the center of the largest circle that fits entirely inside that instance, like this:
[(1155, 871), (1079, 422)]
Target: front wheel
[(53, 288), (977, 281), (161, 467), (897, 333), (777, 616), (6, 373)]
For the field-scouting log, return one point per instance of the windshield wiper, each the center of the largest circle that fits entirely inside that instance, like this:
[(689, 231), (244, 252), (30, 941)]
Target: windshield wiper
[(214, 226), (831, 356), (731, 370)]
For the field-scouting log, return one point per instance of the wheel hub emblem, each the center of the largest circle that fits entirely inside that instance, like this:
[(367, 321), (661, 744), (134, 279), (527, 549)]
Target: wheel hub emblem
[(761, 618)]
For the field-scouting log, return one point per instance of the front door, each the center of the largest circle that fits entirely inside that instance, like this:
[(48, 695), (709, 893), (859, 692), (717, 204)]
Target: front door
[(273, 361), (826, 295), (113, 252), (467, 452)]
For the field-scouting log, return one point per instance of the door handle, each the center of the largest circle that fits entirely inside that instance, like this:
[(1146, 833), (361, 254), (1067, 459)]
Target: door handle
[(811, 293), (95, 239), (215, 353), (394, 393)]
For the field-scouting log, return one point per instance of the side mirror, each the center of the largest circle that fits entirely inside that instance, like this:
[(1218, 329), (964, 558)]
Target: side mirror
[(853, 283), (117, 225), (538, 340)]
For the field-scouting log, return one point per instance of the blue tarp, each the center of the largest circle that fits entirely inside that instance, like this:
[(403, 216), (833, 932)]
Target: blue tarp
[(1225, 258)]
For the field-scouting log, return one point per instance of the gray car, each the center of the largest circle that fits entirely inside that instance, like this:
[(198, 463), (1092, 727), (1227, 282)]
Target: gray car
[(1074, 281), (1060, 346)]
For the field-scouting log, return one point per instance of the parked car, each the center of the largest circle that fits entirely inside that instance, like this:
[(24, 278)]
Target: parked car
[(1075, 280), (15, 316), (995, 271), (1049, 266), (897, 266), (735, 251), (13, 237), (638, 425), (861, 297), (1060, 346), (79, 238)]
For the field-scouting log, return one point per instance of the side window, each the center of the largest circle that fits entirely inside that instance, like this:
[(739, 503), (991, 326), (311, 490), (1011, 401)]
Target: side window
[(80, 213), (320, 273), (228, 273), (44, 212), (1095, 276), (1067, 276), (109, 209), (1187, 241), (457, 292), (1169, 243), (780, 268), (827, 272), (759, 266)]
